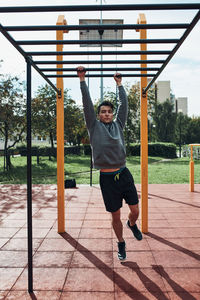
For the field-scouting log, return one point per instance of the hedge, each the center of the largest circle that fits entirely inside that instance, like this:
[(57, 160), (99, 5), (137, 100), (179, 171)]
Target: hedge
[(48, 151), (166, 150)]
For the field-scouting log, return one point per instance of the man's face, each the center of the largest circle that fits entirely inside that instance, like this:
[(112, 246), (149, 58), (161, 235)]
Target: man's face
[(106, 114)]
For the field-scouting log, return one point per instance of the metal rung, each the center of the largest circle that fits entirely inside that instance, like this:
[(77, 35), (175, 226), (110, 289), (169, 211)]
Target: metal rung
[(98, 75), (97, 27), (100, 42), (98, 69), (78, 62), (119, 52), (106, 7)]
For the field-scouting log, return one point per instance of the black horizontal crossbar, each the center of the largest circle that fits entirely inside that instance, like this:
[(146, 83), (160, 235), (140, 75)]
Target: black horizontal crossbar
[(78, 62), (98, 75), (97, 27), (119, 52), (89, 42), (98, 69), (119, 7)]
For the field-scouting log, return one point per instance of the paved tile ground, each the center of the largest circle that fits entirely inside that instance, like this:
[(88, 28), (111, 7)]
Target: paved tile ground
[(82, 263)]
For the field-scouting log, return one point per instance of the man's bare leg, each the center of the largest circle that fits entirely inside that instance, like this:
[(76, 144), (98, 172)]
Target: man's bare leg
[(117, 225), (118, 229), (133, 214)]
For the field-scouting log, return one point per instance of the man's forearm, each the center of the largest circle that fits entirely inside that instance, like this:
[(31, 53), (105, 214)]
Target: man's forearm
[(88, 107)]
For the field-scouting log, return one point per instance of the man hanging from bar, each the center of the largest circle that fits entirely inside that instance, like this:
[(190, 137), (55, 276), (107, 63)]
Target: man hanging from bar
[(109, 156)]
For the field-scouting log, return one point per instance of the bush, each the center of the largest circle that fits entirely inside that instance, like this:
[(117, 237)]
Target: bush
[(87, 149), (166, 150), (21, 149), (36, 150), (48, 151), (134, 150), (77, 150)]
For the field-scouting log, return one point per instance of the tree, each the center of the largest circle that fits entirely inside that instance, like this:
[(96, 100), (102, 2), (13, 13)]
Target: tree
[(132, 127), (165, 120), (74, 129), (44, 113), (44, 116), (181, 130), (193, 132), (12, 113)]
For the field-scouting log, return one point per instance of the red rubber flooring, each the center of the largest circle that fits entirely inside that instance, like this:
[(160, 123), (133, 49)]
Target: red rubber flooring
[(82, 263)]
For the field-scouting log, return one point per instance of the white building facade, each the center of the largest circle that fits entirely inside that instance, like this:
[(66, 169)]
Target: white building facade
[(163, 92), (182, 105)]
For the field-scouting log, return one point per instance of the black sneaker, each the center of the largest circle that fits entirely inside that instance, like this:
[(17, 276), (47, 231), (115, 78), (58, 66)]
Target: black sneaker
[(136, 232), (121, 250)]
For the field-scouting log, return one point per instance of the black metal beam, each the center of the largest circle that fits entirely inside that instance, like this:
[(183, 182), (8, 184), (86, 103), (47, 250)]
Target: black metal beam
[(119, 7), (29, 180), (78, 62), (99, 75), (98, 27), (100, 42), (182, 39), (23, 53), (119, 52), (98, 69)]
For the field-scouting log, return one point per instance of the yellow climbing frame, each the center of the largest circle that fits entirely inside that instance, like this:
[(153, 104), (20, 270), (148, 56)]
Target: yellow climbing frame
[(143, 134), (192, 166), (60, 133)]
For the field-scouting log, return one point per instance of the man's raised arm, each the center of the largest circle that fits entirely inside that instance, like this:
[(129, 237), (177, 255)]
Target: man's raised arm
[(122, 110), (90, 116)]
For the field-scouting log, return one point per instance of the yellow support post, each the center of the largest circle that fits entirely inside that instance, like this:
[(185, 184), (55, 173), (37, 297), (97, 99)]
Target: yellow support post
[(191, 170), (143, 133), (60, 134), (192, 167)]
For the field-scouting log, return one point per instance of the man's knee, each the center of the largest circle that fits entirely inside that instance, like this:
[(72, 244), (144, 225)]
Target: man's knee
[(115, 216)]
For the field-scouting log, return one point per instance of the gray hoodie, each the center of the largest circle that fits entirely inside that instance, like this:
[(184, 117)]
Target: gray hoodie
[(107, 140)]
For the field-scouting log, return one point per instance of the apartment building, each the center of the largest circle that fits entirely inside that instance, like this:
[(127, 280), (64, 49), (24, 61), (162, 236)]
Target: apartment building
[(163, 92)]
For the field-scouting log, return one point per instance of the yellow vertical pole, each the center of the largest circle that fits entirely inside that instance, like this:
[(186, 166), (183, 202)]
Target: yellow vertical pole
[(191, 170), (143, 133), (60, 134)]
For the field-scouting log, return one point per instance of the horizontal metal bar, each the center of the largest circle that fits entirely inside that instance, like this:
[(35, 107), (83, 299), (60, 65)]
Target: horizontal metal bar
[(99, 75), (98, 69), (89, 42), (119, 52), (78, 62), (106, 7), (184, 36), (97, 27), (23, 53)]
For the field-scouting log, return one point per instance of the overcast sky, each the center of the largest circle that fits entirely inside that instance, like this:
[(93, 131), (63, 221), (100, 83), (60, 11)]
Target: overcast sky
[(183, 71)]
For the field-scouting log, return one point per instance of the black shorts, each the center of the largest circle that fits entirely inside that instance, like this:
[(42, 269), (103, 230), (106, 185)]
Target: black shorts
[(117, 186)]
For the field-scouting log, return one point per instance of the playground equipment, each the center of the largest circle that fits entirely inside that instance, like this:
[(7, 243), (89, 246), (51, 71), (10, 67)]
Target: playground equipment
[(192, 166), (57, 72)]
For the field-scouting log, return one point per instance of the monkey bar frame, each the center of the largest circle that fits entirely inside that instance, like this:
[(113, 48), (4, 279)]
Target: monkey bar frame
[(62, 27)]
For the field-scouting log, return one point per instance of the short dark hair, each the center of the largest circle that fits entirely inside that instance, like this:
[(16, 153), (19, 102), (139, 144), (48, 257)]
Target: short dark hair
[(105, 103)]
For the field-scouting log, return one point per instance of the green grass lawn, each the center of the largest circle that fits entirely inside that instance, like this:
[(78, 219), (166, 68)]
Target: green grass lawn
[(159, 171)]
